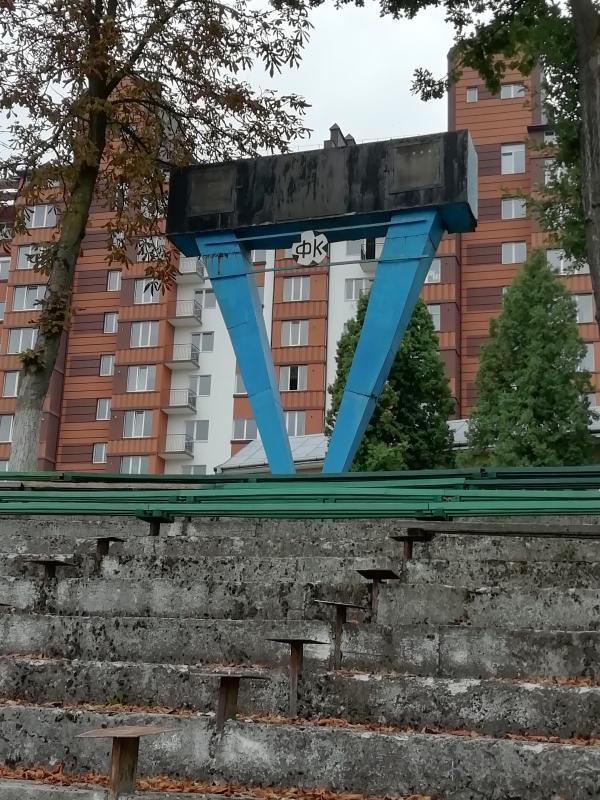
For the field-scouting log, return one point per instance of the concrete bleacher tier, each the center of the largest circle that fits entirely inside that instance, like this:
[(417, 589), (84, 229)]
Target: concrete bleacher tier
[(475, 674)]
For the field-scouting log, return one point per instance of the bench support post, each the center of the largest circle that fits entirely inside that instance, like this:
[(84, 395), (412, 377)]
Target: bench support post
[(296, 658), (229, 688), (341, 616), (123, 767)]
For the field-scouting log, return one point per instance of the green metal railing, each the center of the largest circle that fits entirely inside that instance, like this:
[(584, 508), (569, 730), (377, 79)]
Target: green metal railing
[(431, 494)]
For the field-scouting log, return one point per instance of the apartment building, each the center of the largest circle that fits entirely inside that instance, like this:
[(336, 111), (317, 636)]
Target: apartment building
[(147, 381)]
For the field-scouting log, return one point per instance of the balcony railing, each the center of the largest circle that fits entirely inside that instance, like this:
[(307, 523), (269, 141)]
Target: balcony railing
[(190, 310), (192, 265), (179, 444), (186, 354), (182, 398)]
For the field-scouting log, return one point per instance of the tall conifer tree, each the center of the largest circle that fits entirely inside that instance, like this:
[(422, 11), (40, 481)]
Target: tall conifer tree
[(532, 408), (408, 429)]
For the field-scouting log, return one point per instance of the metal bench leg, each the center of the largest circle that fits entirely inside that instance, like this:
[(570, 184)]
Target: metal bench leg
[(340, 621), (296, 658)]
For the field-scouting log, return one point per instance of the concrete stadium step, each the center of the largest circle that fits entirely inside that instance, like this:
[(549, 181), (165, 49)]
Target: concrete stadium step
[(369, 761), (493, 707), (477, 573), (162, 639), (204, 536), (208, 598), (454, 547), (547, 608), (135, 567), (232, 568), (30, 790), (428, 650)]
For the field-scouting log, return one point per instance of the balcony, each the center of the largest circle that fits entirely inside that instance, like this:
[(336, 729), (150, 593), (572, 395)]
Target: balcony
[(177, 445), (191, 270), (185, 356), (182, 402), (185, 313)]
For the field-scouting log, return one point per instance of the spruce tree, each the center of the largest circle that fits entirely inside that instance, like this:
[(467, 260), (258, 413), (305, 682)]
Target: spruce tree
[(532, 408), (408, 429)]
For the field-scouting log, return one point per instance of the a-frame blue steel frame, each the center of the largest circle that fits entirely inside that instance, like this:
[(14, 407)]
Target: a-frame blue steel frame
[(409, 247), (410, 244)]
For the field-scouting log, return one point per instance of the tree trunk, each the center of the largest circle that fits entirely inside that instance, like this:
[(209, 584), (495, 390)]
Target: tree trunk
[(35, 379), (587, 31)]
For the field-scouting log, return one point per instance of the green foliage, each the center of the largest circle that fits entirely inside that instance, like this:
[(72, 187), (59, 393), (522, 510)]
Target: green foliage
[(408, 429), (532, 409)]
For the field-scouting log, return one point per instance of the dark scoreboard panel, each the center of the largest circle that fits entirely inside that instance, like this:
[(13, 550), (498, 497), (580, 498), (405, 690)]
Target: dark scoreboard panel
[(369, 181)]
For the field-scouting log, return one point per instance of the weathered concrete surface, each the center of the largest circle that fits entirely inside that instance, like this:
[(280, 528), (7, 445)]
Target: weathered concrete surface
[(488, 706), (162, 597), (510, 548), (477, 573), (28, 790), (465, 652), (443, 651), (455, 767), (232, 568), (161, 639), (490, 607)]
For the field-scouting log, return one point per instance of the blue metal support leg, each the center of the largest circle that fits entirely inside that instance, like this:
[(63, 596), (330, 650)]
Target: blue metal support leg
[(410, 245), (235, 289)]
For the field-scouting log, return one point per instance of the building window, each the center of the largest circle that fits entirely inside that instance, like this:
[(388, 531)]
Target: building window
[(514, 252), (435, 271), (141, 378), (585, 308), (28, 298), (10, 386), (137, 424), (4, 465), (151, 248), (134, 465), (201, 384), (295, 422), (509, 91), (296, 288), (145, 291), (113, 280), (591, 398), (557, 261), (205, 342), (294, 333), (354, 248), (193, 469), (512, 159), (143, 334), (355, 287), (259, 256), (107, 365), (6, 426), (472, 94), (4, 268), (239, 384), (2, 310), (206, 298), (103, 408), (99, 453), (26, 255), (292, 378), (513, 208), (197, 430), (587, 363), (20, 339), (111, 322), (244, 430), (436, 316), (42, 216), (550, 137)]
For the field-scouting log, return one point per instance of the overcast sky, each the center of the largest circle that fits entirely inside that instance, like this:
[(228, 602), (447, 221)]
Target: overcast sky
[(357, 71)]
